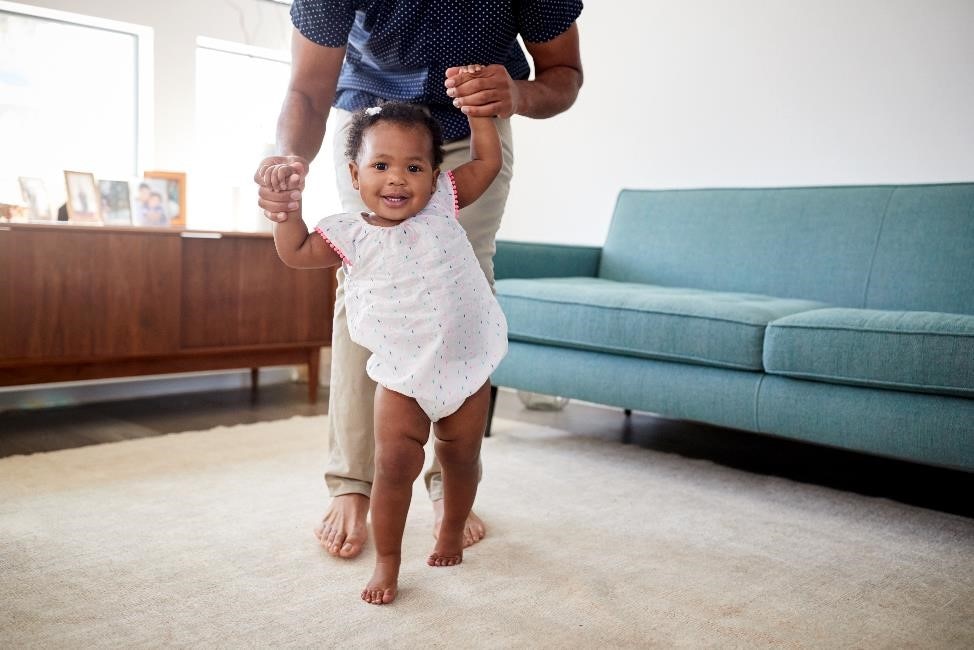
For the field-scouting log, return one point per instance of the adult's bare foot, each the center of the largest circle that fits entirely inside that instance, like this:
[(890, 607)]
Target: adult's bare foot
[(473, 531), (342, 531), (383, 586)]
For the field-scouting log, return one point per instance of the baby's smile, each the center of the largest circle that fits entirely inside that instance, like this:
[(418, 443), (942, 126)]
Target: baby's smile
[(395, 200)]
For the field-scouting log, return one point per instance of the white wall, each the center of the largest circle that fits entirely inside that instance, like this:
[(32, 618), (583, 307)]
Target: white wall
[(696, 93), (678, 93)]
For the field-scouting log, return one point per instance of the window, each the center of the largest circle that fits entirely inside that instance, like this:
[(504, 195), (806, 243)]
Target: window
[(84, 109), (239, 91)]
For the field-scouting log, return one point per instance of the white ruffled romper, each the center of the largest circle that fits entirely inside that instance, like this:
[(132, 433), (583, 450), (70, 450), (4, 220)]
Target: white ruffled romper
[(416, 297)]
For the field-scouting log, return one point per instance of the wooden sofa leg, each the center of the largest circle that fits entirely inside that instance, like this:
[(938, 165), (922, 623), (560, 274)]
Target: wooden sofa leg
[(628, 412), (490, 409)]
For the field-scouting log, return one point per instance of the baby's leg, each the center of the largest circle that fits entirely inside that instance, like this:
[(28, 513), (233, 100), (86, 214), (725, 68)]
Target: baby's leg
[(401, 430), (458, 438)]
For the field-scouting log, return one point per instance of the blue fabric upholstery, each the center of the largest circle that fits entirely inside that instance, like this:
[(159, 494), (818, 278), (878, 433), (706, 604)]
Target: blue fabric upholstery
[(934, 429), (691, 325), (925, 252), (811, 243), (912, 350), (677, 390), (525, 260), (838, 315)]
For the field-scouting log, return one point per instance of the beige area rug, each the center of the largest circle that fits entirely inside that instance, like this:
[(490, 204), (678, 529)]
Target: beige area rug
[(204, 540)]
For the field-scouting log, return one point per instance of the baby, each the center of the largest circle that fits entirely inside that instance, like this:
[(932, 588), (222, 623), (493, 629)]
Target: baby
[(418, 300)]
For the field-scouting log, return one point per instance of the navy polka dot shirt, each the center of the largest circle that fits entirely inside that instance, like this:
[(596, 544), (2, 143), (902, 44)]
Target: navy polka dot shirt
[(400, 50)]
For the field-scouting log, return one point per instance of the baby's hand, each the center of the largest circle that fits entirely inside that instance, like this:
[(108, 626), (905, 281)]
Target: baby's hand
[(472, 69), (280, 174), (281, 179), (458, 75), (482, 90)]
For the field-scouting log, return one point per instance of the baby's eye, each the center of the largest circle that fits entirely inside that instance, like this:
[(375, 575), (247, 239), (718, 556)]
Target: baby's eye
[(415, 169), (381, 166)]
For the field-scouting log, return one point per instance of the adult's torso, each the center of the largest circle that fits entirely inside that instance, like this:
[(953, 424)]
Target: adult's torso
[(399, 50)]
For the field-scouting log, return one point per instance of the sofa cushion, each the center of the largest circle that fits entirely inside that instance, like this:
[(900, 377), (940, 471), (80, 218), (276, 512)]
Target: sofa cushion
[(691, 325), (809, 242), (907, 350)]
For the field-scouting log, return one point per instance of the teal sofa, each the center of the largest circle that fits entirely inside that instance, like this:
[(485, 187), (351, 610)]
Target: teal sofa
[(842, 316)]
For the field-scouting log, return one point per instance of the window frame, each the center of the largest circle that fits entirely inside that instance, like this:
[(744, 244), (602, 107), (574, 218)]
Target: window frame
[(232, 47)]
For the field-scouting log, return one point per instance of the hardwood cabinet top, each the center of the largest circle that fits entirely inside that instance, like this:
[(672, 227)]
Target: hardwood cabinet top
[(60, 226)]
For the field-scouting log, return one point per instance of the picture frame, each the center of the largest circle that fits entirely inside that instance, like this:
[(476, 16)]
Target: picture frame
[(12, 212), (116, 202), (175, 197), (149, 202), (37, 199), (83, 200)]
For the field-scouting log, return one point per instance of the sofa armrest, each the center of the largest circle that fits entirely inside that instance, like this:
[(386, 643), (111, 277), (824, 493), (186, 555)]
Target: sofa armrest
[(532, 260)]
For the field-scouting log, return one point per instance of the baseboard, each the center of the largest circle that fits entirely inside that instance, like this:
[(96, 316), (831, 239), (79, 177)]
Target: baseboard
[(105, 390)]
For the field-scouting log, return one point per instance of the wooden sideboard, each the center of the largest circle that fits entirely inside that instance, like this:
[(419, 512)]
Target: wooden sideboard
[(91, 302)]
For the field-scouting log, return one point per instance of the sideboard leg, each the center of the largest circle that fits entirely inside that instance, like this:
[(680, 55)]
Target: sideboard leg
[(254, 384), (314, 359)]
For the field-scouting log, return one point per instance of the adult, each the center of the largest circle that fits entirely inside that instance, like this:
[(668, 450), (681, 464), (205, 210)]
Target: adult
[(348, 55)]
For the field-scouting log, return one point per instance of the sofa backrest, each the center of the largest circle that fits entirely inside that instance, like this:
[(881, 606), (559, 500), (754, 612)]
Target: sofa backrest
[(907, 247)]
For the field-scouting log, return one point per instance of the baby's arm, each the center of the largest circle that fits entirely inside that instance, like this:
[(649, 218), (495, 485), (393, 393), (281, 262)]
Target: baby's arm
[(300, 249), (474, 177)]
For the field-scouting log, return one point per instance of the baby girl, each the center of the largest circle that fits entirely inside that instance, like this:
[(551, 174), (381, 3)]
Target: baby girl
[(418, 300)]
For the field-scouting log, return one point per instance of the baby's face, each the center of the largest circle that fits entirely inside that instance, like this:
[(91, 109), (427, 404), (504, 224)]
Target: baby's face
[(394, 172)]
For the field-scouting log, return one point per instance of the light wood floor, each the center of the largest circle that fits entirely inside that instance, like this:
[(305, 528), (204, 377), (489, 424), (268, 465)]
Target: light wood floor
[(32, 431)]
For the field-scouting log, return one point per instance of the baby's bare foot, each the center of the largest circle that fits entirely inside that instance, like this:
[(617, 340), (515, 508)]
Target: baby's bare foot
[(383, 586), (342, 530), (473, 531), (448, 550), (436, 559)]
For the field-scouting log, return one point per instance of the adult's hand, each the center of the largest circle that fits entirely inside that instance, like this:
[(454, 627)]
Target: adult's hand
[(492, 92), (488, 92), (281, 181)]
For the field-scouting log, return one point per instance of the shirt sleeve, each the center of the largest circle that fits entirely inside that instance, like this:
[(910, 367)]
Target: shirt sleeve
[(325, 22), (341, 231), (540, 21), (444, 200)]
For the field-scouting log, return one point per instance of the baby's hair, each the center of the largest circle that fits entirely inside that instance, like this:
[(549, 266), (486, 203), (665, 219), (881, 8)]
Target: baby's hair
[(410, 115)]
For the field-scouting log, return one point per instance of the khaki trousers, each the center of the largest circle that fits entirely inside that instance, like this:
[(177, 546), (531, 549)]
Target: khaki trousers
[(350, 403)]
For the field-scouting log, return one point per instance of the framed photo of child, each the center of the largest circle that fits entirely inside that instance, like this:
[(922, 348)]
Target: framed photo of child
[(174, 197), (149, 203), (35, 196), (83, 200), (116, 202)]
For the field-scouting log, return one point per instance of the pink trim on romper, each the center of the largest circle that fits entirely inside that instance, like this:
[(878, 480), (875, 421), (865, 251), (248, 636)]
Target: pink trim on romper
[(341, 253), (456, 199)]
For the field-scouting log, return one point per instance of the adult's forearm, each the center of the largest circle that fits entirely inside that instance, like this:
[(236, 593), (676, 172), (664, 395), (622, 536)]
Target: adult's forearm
[(300, 127), (550, 93)]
